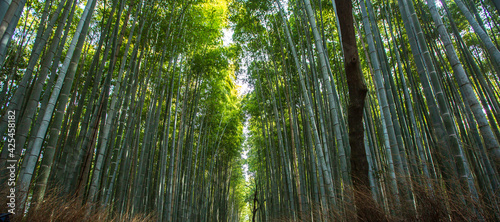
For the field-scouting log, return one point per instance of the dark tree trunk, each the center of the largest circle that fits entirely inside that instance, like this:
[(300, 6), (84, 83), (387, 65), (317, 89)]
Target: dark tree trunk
[(357, 93)]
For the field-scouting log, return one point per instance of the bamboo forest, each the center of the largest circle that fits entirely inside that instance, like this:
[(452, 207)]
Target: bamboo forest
[(249, 110)]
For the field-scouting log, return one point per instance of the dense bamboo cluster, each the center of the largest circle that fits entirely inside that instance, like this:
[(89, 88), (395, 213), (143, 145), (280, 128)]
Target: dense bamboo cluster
[(430, 120), (129, 105)]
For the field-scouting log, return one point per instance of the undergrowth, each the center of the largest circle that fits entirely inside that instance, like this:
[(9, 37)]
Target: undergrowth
[(63, 208), (427, 203)]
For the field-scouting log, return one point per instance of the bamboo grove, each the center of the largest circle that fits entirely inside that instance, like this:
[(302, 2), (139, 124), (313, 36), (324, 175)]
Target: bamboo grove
[(128, 104), (132, 106), (430, 118)]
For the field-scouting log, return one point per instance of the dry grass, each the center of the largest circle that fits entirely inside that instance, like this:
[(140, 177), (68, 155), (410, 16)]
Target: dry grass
[(430, 205), (59, 208)]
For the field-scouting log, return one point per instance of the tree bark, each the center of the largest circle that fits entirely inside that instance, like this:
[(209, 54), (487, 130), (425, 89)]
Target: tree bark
[(357, 94)]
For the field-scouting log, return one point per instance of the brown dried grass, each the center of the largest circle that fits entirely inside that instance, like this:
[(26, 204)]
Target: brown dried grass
[(434, 205), (61, 208)]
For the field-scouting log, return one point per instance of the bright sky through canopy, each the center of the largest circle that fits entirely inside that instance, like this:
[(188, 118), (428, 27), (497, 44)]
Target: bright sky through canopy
[(242, 89)]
